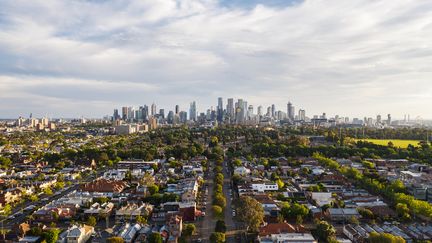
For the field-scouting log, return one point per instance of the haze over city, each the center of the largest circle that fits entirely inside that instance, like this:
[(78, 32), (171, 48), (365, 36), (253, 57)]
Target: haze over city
[(83, 58)]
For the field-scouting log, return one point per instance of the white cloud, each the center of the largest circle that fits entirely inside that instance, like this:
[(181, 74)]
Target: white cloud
[(349, 57)]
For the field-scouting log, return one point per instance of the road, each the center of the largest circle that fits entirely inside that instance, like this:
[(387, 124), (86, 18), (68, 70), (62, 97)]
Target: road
[(207, 225), (228, 213)]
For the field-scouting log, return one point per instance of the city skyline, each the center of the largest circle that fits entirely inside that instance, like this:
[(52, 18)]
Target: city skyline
[(357, 58)]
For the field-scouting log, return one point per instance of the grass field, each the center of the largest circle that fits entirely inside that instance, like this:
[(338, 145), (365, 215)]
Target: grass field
[(396, 142)]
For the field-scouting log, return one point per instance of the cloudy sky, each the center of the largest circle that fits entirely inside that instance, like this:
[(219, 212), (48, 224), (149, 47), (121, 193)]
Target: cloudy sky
[(85, 57)]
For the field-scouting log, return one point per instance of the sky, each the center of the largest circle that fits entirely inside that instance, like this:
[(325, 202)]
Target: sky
[(356, 58)]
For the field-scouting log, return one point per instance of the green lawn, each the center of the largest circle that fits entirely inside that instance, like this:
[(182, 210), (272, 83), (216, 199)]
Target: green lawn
[(396, 142)]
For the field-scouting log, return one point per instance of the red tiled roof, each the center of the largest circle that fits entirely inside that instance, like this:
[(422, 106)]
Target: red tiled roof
[(276, 228)]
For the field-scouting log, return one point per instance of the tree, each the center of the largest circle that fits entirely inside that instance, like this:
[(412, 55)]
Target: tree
[(220, 226), (237, 162), (48, 191), (5, 162), (219, 200), (189, 230), (91, 221), (155, 238), (251, 212), (403, 211), (217, 211), (280, 183), (141, 219), (153, 189), (324, 231), (7, 210), (375, 237), (51, 236), (294, 211), (217, 237), (115, 239)]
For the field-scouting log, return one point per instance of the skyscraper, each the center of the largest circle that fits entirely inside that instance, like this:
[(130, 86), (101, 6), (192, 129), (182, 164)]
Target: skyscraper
[(290, 111), (259, 111), (116, 115), (240, 114), (162, 113), (153, 109), (192, 111), (220, 110), (273, 110), (124, 113), (177, 109), (231, 109), (302, 115), (145, 113), (250, 111)]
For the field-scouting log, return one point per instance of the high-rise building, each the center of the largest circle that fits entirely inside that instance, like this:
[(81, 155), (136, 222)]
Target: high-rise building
[(269, 111), (259, 111), (302, 115), (177, 109), (378, 119), (231, 109), (183, 116), (290, 111), (273, 110), (250, 111), (192, 111), (170, 117), (240, 111), (388, 119), (220, 110), (162, 113), (130, 113), (124, 113), (116, 115), (145, 113), (153, 109)]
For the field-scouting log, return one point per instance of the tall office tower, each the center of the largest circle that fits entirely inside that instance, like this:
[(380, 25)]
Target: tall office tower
[(162, 113), (192, 111), (280, 115), (259, 111), (290, 111), (250, 111), (388, 119), (378, 119), (130, 113), (231, 109), (220, 110), (153, 109), (138, 114), (208, 114), (170, 117), (177, 109), (145, 113), (240, 111), (302, 115), (183, 116), (245, 109), (124, 113), (273, 110), (116, 115), (268, 111)]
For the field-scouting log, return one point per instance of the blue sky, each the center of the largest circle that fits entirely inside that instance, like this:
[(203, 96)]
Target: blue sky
[(355, 58)]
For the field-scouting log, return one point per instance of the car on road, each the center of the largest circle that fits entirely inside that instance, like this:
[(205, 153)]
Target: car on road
[(233, 213)]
